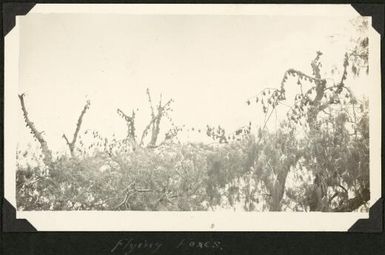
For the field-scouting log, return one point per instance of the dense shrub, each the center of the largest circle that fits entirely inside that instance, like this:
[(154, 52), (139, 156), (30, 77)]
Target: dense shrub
[(249, 174), (317, 159)]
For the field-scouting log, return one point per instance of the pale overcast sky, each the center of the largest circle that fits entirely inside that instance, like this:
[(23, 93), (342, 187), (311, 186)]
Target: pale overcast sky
[(209, 65)]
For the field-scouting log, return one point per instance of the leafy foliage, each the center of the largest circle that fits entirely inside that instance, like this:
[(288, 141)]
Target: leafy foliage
[(251, 172), (316, 160)]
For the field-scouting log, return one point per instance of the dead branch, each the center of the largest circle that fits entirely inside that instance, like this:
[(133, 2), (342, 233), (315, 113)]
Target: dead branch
[(125, 200), (154, 123), (130, 121), (47, 154), (71, 145), (130, 191), (129, 186), (161, 112), (150, 101), (145, 131)]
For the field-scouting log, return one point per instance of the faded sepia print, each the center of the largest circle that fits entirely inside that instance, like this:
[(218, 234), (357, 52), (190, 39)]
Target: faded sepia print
[(193, 113)]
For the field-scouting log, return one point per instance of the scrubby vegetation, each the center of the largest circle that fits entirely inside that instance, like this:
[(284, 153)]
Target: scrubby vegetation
[(317, 159)]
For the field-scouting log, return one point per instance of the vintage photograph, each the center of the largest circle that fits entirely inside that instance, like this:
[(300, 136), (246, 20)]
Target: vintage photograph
[(237, 113)]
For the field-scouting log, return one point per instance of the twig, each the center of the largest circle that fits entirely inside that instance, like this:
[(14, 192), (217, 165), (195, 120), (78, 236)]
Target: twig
[(71, 145), (128, 195), (150, 101), (142, 190)]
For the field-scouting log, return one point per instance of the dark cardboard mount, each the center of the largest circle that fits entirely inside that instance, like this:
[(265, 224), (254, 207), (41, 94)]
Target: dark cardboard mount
[(10, 11), (376, 217), (11, 224)]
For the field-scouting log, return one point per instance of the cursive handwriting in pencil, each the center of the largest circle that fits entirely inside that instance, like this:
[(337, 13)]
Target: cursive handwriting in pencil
[(130, 246)]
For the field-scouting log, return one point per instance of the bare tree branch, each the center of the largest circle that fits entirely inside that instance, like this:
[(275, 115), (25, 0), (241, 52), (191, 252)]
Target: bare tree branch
[(71, 145), (154, 123), (150, 101), (130, 120), (47, 154)]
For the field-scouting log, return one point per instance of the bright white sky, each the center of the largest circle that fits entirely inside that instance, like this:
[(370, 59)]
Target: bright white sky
[(209, 65)]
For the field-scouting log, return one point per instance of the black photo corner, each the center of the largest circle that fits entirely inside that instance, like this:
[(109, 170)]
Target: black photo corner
[(366, 236)]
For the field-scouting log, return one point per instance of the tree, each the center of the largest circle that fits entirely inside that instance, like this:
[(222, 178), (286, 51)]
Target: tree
[(325, 111), (153, 125)]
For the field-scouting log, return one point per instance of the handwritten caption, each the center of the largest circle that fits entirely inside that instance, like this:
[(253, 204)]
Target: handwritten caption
[(132, 246)]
